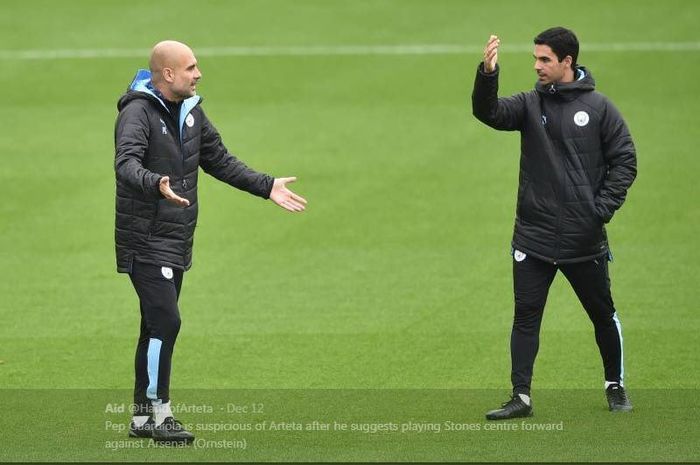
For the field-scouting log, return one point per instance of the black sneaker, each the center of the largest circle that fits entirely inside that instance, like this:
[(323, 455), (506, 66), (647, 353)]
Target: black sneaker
[(617, 399), (145, 431), (171, 430), (514, 408)]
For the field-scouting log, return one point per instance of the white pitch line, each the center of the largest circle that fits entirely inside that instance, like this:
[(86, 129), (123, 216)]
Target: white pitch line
[(331, 50)]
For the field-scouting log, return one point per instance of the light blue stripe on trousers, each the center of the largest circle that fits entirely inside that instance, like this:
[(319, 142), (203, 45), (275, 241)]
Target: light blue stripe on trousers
[(153, 357), (622, 354)]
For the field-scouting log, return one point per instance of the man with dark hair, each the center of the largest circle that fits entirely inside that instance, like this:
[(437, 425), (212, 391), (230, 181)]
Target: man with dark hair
[(562, 41), (577, 162), (162, 138)]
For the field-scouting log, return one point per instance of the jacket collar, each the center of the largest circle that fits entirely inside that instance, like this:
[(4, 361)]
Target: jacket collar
[(142, 84), (569, 90)]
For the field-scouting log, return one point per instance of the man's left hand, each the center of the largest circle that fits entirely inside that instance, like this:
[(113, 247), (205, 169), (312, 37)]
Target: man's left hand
[(286, 198)]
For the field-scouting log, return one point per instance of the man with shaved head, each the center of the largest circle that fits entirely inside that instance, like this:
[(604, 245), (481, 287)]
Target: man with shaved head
[(162, 137)]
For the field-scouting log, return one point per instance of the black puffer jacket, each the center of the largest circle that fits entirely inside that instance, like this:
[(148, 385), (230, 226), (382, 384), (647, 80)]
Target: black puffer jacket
[(151, 143), (577, 161)]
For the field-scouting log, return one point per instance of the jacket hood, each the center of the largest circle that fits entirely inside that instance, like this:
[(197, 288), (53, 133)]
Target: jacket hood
[(142, 87), (584, 83)]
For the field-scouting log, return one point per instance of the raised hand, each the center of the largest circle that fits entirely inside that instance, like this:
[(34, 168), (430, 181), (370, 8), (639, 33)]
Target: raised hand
[(491, 54)]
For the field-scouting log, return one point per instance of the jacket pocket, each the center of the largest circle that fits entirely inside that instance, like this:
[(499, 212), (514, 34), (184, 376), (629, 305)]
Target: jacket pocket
[(591, 206), (523, 209), (596, 215), (154, 220)]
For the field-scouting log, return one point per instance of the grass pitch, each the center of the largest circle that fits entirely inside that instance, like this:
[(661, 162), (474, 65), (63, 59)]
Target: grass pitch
[(389, 300)]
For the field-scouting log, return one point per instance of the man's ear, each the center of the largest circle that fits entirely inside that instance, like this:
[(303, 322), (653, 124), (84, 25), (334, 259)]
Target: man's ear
[(169, 75), (568, 61)]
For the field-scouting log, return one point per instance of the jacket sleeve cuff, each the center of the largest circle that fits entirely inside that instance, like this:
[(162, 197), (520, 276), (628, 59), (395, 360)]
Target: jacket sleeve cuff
[(156, 186), (603, 214), (483, 72), (268, 189)]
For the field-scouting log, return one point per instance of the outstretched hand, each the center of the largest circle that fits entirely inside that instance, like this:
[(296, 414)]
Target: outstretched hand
[(164, 187), (286, 198), (491, 54)]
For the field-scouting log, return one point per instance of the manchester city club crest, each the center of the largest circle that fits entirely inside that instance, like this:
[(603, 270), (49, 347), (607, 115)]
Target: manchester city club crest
[(581, 118)]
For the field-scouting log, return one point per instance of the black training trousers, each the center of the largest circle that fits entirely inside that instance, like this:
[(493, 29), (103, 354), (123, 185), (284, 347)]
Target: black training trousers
[(532, 279), (158, 289)]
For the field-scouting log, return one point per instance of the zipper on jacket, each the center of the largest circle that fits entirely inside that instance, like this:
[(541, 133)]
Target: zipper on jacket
[(182, 152), (181, 132), (176, 119), (560, 195), (179, 125), (152, 226)]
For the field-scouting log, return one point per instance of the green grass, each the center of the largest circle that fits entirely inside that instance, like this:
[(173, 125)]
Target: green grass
[(396, 278), (363, 425)]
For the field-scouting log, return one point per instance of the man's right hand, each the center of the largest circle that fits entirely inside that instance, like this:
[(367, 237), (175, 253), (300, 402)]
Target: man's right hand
[(491, 54), (164, 187)]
